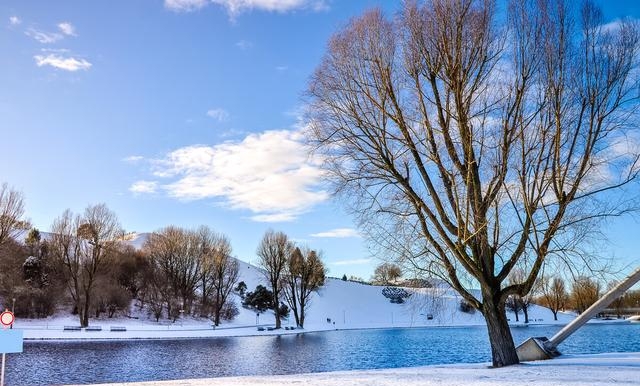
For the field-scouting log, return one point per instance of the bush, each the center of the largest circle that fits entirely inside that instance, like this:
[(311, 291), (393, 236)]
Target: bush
[(229, 311), (395, 294), (284, 310), (241, 289)]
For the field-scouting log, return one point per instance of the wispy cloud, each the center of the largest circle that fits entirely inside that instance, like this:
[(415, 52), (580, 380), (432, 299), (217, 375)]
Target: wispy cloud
[(269, 174), (244, 45), (351, 262), (218, 114), (14, 20), (44, 37), (235, 7), (338, 233), (63, 63), (133, 158), (144, 187), (67, 29), (185, 5), (282, 68)]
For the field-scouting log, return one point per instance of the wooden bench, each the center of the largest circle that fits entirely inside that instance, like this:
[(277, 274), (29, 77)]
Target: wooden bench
[(72, 328), (93, 328), (118, 329)]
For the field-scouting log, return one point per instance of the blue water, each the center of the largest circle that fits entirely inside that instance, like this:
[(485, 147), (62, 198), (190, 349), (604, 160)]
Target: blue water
[(46, 363)]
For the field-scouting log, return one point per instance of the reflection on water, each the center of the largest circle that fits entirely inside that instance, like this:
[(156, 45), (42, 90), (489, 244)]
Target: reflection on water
[(45, 363)]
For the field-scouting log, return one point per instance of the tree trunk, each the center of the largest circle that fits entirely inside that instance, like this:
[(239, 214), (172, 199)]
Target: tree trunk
[(555, 314), (503, 350), (525, 311), (84, 322), (276, 309)]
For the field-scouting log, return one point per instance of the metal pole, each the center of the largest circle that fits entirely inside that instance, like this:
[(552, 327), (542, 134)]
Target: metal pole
[(2, 375), (596, 308)]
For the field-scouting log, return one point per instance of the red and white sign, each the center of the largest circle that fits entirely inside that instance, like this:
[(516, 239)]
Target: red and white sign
[(7, 318)]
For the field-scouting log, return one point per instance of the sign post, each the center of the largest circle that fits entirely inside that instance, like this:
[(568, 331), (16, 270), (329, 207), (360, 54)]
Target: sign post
[(10, 340)]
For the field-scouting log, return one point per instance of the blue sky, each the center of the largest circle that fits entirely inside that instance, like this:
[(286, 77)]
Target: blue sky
[(181, 112)]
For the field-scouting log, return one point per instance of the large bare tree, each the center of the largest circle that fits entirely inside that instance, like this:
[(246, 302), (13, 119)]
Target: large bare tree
[(82, 246), (273, 252), (471, 141), (11, 211)]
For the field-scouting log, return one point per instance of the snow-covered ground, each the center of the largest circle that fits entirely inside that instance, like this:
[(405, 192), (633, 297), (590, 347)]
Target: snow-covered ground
[(338, 305), (579, 370)]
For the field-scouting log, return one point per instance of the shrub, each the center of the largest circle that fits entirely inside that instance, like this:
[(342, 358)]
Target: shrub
[(395, 294), (229, 311)]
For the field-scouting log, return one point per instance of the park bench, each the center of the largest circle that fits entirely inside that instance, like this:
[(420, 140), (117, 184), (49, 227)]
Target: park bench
[(118, 329), (72, 328), (93, 328)]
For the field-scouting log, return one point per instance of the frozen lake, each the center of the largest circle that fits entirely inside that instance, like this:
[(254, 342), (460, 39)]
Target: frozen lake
[(46, 363)]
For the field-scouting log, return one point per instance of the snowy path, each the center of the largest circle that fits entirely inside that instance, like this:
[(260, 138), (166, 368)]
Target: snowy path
[(584, 370)]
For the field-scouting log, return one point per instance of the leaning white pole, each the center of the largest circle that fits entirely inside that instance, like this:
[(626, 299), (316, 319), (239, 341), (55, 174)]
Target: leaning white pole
[(542, 348), (596, 308)]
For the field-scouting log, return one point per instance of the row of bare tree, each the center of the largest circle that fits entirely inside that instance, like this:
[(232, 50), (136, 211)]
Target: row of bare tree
[(177, 271)]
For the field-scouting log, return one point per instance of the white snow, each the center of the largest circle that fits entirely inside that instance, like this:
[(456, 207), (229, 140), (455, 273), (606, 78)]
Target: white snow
[(579, 370)]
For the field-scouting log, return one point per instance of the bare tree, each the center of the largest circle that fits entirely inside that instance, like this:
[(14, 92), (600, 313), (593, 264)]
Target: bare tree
[(553, 294), (585, 292), (305, 274), (617, 305), (273, 252), (177, 253), (223, 275), (468, 144), (11, 211), (386, 273), (82, 245)]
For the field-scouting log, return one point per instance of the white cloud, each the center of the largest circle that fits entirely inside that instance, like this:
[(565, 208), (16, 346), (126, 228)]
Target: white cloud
[(185, 5), (352, 262), (269, 174), (44, 37), (133, 158), (338, 233), (276, 217), (218, 114), (67, 29), (14, 20), (282, 68), (62, 63), (244, 45), (235, 7), (144, 187)]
